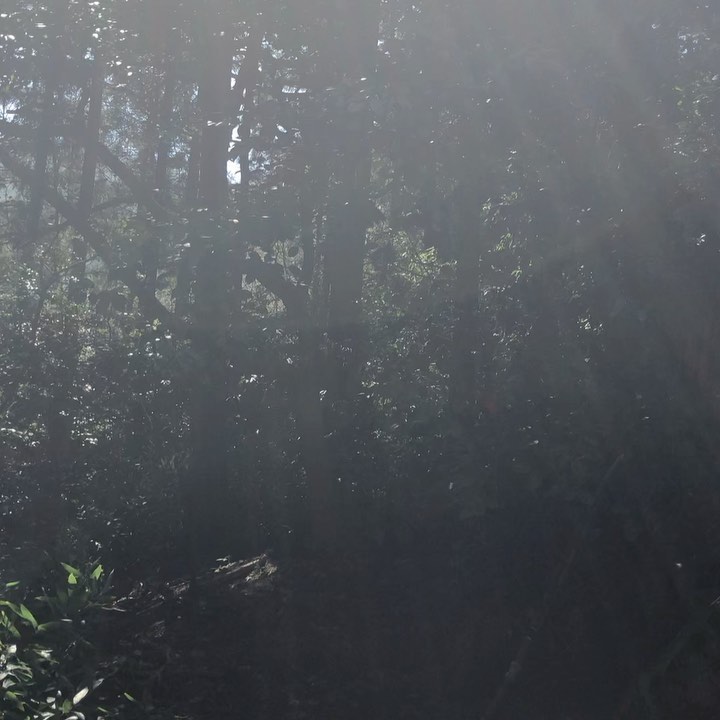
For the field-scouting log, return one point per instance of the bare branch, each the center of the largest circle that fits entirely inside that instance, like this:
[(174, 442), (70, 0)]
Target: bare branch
[(150, 305), (141, 191)]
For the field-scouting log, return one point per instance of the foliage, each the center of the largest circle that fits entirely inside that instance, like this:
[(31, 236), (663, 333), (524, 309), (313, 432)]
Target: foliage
[(48, 662)]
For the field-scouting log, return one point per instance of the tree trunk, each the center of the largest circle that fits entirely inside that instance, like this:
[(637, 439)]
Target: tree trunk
[(207, 482), (162, 121), (59, 417), (350, 206), (44, 138), (314, 447), (466, 331)]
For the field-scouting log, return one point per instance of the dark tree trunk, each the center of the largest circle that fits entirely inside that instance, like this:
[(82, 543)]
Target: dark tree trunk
[(60, 414), (313, 443), (207, 482), (162, 121), (350, 212), (44, 137), (466, 341), (183, 284)]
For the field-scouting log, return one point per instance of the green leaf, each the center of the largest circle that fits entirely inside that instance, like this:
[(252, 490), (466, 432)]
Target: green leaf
[(12, 584), (129, 697), (44, 627), (72, 579), (13, 630), (25, 613), (70, 569), (14, 699), (108, 583), (96, 574)]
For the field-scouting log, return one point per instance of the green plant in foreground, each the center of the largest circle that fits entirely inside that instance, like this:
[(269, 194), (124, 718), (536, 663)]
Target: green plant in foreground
[(48, 662)]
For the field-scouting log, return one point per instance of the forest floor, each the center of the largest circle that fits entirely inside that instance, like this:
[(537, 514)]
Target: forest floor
[(256, 639), (374, 637)]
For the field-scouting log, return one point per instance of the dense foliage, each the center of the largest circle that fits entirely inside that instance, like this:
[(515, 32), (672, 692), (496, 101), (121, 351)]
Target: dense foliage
[(374, 286)]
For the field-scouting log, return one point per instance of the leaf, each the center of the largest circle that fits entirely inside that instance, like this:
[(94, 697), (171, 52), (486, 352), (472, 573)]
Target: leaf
[(20, 611), (96, 574), (129, 697), (70, 569), (44, 627), (14, 699), (25, 613), (108, 583), (12, 584), (13, 630), (79, 695), (72, 579)]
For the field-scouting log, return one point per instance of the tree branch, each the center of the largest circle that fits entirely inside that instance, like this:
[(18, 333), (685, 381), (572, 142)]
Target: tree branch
[(271, 276), (152, 308), (142, 193)]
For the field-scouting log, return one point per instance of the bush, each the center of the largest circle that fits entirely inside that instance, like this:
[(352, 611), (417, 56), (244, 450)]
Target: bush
[(49, 666)]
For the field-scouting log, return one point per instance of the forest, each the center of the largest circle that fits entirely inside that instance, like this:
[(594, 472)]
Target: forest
[(359, 359)]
